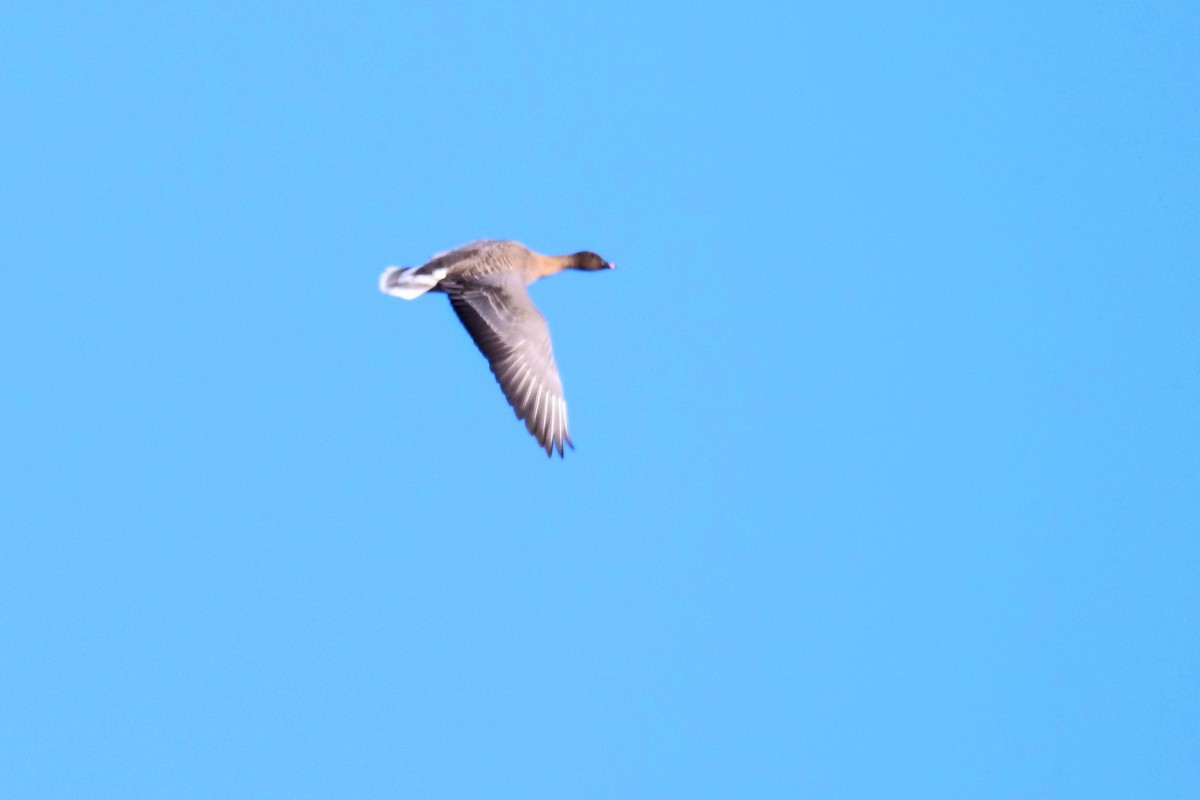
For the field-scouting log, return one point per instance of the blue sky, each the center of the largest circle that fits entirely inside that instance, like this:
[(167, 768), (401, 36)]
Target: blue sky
[(888, 443)]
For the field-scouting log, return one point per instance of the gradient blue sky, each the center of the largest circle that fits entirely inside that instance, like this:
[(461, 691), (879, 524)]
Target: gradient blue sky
[(888, 426)]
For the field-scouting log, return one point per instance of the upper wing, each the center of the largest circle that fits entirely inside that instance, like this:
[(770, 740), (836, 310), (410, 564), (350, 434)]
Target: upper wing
[(500, 316), (464, 250)]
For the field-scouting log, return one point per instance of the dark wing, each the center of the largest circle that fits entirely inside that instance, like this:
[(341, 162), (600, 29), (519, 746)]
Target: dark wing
[(513, 335)]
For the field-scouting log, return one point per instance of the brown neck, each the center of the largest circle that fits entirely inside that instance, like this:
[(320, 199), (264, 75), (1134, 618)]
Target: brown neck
[(540, 266)]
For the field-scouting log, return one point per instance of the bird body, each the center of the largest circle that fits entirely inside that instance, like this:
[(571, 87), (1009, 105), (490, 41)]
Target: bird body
[(485, 281)]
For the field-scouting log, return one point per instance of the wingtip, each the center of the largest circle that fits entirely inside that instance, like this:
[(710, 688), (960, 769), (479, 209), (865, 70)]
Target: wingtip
[(554, 446)]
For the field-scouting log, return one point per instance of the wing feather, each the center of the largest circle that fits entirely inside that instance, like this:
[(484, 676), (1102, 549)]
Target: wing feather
[(511, 333)]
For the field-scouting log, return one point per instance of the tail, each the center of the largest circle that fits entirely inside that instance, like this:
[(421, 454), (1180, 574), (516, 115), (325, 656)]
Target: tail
[(408, 282)]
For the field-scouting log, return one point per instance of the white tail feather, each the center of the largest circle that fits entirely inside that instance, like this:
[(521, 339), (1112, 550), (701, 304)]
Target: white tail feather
[(406, 283)]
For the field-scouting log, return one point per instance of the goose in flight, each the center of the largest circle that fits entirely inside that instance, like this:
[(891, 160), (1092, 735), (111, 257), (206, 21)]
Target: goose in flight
[(486, 282)]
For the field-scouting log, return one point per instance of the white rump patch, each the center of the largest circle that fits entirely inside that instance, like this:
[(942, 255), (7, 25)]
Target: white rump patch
[(404, 282)]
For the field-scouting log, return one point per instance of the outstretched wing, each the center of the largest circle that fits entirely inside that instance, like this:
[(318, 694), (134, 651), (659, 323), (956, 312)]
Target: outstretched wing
[(509, 330)]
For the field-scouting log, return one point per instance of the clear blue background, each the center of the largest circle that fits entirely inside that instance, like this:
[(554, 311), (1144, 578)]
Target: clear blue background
[(888, 424)]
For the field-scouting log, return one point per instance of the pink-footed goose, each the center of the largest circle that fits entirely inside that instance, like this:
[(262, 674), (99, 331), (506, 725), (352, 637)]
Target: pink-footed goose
[(486, 282)]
